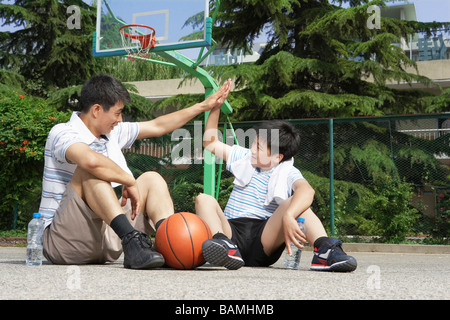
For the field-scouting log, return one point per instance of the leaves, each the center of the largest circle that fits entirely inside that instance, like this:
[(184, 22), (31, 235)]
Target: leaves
[(321, 61), (44, 50), (24, 125)]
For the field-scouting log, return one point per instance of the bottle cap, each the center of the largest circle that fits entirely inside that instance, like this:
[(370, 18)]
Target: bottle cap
[(36, 215), (302, 220)]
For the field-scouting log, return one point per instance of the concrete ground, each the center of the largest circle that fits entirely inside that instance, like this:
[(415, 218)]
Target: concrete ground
[(380, 275)]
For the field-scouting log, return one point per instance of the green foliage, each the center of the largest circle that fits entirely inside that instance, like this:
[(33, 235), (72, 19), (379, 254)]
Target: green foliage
[(390, 206), (24, 125), (384, 209), (44, 50), (139, 108), (126, 70), (321, 61)]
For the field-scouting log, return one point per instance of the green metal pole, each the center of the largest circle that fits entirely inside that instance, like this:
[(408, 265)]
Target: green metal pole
[(331, 147), (209, 163), (209, 167)]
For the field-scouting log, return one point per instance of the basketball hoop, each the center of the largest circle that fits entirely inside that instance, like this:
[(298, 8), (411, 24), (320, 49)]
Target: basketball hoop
[(137, 40)]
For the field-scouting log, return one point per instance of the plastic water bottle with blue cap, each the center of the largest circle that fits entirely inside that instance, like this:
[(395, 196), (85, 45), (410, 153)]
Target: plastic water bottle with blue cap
[(293, 261), (34, 240)]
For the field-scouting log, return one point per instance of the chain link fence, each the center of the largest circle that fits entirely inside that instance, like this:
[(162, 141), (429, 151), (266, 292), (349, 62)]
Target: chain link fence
[(388, 179)]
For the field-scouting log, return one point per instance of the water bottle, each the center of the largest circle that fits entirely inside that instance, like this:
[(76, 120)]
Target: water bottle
[(293, 261), (34, 241)]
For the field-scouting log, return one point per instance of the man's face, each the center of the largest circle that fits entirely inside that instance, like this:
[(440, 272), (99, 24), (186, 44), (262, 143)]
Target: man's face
[(108, 120)]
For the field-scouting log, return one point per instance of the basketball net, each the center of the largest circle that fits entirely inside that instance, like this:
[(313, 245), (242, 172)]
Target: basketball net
[(137, 40)]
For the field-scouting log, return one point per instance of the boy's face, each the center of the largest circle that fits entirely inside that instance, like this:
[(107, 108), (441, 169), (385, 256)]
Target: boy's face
[(261, 157)]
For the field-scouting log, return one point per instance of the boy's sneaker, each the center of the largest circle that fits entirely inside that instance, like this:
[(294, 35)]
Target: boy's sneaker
[(138, 251), (222, 252), (331, 257)]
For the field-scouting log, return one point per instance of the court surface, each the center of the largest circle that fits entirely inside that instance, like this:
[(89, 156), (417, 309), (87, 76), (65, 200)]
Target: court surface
[(378, 276)]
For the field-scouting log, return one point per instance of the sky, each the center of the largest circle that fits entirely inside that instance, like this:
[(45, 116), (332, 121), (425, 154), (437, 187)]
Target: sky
[(432, 10)]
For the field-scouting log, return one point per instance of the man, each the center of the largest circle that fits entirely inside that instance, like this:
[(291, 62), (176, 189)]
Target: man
[(85, 222)]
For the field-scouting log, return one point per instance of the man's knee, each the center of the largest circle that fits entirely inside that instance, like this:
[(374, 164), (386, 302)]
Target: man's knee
[(152, 178), (84, 182)]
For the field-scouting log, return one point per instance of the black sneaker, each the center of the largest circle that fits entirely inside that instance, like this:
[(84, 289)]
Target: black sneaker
[(222, 252), (331, 257), (138, 251)]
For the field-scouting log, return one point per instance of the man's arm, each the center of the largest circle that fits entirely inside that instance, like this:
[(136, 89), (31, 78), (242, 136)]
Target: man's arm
[(107, 170), (168, 123), (97, 164)]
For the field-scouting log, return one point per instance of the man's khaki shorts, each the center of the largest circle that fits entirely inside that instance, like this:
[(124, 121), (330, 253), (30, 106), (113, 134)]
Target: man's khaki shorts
[(78, 236)]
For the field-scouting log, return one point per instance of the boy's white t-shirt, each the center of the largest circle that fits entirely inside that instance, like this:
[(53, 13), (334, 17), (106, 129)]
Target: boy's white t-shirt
[(248, 201)]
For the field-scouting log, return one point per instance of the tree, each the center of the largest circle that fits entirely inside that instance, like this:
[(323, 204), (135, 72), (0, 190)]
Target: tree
[(47, 49), (24, 125), (319, 60)]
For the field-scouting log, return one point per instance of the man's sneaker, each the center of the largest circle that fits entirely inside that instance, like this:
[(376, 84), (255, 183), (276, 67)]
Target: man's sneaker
[(331, 257), (221, 252), (138, 251)]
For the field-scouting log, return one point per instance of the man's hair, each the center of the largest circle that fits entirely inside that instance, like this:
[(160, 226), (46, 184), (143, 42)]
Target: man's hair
[(104, 90), (281, 137)]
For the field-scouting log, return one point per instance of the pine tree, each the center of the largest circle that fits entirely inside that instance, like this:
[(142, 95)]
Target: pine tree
[(321, 60), (46, 49)]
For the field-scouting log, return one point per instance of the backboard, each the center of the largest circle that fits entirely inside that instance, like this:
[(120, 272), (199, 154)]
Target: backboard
[(167, 17)]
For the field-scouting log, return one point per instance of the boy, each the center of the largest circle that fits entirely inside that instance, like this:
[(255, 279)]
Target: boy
[(85, 222), (269, 194)]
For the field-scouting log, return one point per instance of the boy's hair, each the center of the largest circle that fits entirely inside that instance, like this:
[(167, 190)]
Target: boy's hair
[(104, 90), (281, 137)]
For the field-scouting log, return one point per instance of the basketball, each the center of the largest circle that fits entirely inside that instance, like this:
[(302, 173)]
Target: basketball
[(179, 239)]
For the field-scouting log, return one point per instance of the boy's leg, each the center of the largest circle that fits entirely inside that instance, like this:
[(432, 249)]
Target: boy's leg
[(328, 253), (273, 236), (220, 250), (209, 210)]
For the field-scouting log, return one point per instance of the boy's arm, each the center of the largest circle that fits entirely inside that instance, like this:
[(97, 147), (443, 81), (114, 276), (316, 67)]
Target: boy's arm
[(211, 140), (301, 200), (168, 123)]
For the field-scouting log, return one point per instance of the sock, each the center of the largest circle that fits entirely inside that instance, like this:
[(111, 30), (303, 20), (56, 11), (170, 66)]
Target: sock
[(220, 235), (319, 241), (121, 225), (159, 223)]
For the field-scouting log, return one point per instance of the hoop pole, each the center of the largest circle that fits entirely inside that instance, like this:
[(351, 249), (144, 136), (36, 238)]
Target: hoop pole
[(210, 85), (200, 60)]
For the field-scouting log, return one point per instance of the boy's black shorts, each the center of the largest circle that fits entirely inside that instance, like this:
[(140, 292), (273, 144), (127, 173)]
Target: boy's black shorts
[(247, 236)]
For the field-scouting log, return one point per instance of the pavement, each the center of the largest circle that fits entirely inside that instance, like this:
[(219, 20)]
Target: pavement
[(379, 276)]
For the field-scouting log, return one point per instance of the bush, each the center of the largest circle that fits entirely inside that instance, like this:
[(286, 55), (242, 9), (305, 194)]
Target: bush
[(24, 125), (390, 205)]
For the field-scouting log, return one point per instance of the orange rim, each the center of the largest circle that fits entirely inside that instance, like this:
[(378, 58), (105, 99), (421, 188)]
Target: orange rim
[(146, 40)]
